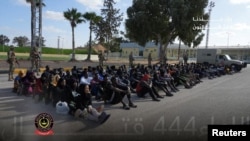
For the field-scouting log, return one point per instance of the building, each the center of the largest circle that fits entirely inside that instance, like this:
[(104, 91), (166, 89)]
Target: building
[(172, 50), (127, 48), (236, 52)]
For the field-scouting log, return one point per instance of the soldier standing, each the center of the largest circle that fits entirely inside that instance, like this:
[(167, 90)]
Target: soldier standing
[(101, 59), (149, 59), (35, 59), (12, 61), (185, 57), (131, 59)]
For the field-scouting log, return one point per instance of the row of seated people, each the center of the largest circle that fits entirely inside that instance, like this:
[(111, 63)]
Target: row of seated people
[(111, 84)]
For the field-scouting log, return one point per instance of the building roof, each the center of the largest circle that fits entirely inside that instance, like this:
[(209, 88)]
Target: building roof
[(149, 45), (98, 48), (131, 45)]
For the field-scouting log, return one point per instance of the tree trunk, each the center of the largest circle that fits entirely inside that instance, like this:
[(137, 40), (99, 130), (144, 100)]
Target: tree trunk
[(73, 45), (179, 49), (90, 40), (161, 50)]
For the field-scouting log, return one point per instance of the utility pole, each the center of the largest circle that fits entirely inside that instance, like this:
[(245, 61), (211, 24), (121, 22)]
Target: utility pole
[(36, 28), (62, 46), (58, 44), (211, 5)]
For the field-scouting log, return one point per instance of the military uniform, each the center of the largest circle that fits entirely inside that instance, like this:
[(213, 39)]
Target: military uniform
[(149, 59), (12, 61), (185, 58), (101, 59), (35, 59), (131, 59)]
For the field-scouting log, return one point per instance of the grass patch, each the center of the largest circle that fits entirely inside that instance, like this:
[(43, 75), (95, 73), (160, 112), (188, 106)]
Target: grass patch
[(46, 57), (48, 53), (48, 50)]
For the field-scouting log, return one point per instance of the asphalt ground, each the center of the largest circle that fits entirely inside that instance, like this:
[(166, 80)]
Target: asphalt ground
[(185, 116)]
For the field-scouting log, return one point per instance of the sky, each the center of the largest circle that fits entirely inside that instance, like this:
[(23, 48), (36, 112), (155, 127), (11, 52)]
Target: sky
[(229, 23)]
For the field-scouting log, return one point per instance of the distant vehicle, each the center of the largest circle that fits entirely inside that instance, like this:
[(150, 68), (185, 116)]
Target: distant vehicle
[(246, 60), (214, 56)]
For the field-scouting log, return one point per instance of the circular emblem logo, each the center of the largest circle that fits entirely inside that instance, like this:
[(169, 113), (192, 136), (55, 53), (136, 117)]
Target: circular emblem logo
[(44, 122)]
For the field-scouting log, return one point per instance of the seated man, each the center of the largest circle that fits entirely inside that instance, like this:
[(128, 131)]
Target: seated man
[(95, 86), (145, 86), (85, 79), (160, 84), (114, 93)]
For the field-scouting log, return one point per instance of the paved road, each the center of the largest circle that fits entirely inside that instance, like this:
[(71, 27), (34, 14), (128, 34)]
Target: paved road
[(185, 116)]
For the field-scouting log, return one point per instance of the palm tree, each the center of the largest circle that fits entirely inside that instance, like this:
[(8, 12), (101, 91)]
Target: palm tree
[(74, 17), (93, 19)]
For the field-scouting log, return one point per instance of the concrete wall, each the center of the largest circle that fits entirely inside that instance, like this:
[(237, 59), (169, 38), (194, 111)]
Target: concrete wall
[(84, 56)]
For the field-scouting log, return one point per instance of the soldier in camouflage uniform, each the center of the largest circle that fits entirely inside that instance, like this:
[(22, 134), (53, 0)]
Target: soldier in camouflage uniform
[(101, 59), (35, 59), (131, 59), (185, 57), (12, 61), (149, 59)]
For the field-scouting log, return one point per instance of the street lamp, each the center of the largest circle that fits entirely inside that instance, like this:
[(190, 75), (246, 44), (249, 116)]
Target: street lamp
[(211, 5), (62, 45)]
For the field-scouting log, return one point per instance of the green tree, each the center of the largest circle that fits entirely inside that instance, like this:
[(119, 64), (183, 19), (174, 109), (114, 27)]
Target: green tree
[(110, 23), (150, 21), (115, 44), (42, 41), (4, 39), (74, 17), (161, 21), (20, 41), (185, 14), (93, 20)]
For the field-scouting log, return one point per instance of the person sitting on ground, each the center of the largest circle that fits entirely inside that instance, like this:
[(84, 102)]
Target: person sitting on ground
[(114, 93), (75, 102), (167, 77), (160, 84), (59, 90), (145, 86), (134, 77), (95, 114), (17, 82), (180, 79), (29, 82), (122, 79), (95, 86), (85, 79)]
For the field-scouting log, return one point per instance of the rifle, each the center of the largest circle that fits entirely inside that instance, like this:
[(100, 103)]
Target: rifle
[(17, 62)]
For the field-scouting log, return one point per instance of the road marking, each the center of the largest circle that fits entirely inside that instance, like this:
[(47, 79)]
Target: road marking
[(7, 97), (12, 100), (5, 108)]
